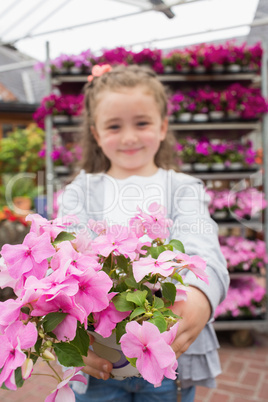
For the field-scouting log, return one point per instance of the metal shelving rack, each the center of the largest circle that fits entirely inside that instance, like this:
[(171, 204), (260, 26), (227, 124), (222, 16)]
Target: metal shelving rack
[(241, 128)]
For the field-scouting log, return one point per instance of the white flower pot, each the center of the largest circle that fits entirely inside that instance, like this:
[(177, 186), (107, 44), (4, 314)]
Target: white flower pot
[(200, 117), (61, 119), (217, 68), (76, 119), (107, 348), (186, 167), (235, 166), (233, 115), (184, 117), (62, 170), (75, 70), (199, 69), (233, 68), (216, 115), (220, 214), (184, 70), (201, 166), (217, 166), (168, 69)]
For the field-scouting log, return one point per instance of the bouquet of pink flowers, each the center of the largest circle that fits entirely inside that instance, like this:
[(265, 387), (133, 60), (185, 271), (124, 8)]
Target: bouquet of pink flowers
[(68, 283)]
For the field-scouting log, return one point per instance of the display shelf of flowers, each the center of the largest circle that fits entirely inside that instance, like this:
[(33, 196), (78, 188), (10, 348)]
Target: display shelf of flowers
[(118, 284)]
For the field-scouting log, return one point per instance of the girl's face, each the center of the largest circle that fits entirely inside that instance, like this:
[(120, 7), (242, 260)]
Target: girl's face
[(129, 129)]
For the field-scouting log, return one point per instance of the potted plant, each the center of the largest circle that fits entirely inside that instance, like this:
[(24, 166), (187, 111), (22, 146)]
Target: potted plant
[(19, 150), (114, 284)]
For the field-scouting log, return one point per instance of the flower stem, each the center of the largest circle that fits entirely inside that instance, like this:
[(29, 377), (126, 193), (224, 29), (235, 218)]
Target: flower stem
[(57, 375)]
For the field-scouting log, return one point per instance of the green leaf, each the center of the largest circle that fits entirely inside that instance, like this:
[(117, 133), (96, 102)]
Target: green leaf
[(18, 377), (137, 297), (178, 278), (81, 341), (122, 304), (122, 262), (156, 251), (63, 236), (169, 313), (132, 361), (38, 344), (138, 311), (177, 245), (131, 283), (169, 291), (52, 320), (158, 303), (160, 322), (121, 287), (120, 330), (68, 355)]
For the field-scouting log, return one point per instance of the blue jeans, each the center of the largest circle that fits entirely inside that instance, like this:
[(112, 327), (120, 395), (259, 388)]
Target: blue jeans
[(133, 390), (129, 390)]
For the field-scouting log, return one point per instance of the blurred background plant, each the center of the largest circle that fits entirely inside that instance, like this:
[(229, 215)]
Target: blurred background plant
[(19, 150)]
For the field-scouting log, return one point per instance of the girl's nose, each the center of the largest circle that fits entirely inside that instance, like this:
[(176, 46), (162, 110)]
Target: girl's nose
[(129, 136)]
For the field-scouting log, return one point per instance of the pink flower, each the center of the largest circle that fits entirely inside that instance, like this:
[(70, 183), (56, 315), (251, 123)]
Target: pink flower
[(66, 330), (16, 337), (155, 357), (63, 392), (181, 292), (119, 240), (93, 291), (40, 225), (195, 264), (155, 224), (30, 257), (163, 265), (106, 320)]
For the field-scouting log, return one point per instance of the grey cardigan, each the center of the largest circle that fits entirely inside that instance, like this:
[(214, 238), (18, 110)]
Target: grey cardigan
[(187, 206)]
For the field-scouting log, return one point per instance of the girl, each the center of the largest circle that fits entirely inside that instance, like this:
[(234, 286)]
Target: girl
[(126, 162)]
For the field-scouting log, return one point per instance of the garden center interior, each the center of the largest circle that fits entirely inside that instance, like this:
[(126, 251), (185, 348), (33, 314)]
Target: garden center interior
[(212, 56)]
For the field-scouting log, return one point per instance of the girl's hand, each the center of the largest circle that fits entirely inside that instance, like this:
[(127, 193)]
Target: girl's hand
[(196, 312), (96, 366)]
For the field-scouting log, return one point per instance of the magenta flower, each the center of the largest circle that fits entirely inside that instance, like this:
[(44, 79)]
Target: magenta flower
[(164, 265), (105, 321), (30, 257), (155, 357), (63, 392), (16, 337)]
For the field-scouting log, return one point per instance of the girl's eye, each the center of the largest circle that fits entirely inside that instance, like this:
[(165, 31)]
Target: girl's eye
[(143, 123), (113, 127)]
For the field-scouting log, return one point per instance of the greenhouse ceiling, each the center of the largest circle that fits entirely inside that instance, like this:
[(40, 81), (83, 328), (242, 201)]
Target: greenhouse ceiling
[(71, 26)]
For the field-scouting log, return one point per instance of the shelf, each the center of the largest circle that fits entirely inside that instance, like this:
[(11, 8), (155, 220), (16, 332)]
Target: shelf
[(252, 224), (253, 77), (175, 77), (250, 126), (260, 324), (227, 175)]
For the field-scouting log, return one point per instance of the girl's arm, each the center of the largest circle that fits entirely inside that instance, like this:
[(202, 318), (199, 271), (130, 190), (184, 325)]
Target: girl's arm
[(199, 235)]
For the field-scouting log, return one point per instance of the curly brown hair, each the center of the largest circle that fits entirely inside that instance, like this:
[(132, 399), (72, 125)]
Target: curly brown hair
[(93, 159)]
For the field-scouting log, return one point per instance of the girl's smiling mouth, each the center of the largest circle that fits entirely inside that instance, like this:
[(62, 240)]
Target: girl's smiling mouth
[(130, 151)]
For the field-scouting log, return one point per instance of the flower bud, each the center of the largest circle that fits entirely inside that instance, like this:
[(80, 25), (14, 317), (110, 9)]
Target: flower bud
[(48, 355), (27, 368)]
